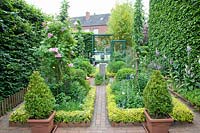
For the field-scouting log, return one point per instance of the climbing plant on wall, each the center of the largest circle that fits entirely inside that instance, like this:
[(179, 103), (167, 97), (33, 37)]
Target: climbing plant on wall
[(174, 40)]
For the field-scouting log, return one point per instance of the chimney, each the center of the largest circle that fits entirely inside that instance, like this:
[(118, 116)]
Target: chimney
[(87, 17)]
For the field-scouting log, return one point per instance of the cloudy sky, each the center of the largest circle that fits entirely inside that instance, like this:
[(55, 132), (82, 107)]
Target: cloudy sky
[(79, 7)]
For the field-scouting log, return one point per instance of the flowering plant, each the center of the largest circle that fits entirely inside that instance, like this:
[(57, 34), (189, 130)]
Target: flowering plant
[(55, 53)]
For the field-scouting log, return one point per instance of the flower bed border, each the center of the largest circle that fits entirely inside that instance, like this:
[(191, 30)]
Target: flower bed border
[(88, 107), (123, 112)]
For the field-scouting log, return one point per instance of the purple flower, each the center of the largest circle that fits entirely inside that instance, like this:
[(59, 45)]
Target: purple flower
[(50, 35), (157, 52), (58, 55), (55, 50), (70, 65), (188, 49)]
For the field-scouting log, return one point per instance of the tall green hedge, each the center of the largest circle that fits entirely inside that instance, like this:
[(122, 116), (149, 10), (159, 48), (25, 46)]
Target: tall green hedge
[(20, 26), (174, 39)]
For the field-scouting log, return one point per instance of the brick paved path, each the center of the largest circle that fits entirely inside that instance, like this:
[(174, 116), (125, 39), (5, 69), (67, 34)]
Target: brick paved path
[(100, 122)]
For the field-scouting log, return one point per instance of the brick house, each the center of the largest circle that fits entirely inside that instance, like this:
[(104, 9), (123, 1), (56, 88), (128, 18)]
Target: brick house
[(93, 23)]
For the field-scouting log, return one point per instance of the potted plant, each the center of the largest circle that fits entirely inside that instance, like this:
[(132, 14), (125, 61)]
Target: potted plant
[(158, 104), (39, 103)]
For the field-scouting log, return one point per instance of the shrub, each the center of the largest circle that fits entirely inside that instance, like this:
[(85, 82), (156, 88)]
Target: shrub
[(125, 73), (157, 99), (181, 112), (98, 79), (77, 92), (83, 64), (39, 101), (113, 67), (19, 115)]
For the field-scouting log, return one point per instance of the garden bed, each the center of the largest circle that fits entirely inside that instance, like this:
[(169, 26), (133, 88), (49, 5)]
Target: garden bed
[(134, 116), (79, 118)]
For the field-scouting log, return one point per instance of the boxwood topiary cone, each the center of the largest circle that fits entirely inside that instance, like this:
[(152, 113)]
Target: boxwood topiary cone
[(39, 101), (157, 98)]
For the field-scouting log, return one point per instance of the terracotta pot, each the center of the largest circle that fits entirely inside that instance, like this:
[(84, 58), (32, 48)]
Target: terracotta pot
[(42, 125), (157, 125)]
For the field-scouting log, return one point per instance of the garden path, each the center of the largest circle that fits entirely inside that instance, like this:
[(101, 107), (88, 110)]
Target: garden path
[(100, 123)]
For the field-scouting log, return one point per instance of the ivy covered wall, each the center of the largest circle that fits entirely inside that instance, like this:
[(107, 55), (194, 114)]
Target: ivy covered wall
[(20, 26), (174, 40)]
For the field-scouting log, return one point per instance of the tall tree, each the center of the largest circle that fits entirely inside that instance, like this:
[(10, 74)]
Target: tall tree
[(138, 23), (121, 22), (138, 29), (64, 11)]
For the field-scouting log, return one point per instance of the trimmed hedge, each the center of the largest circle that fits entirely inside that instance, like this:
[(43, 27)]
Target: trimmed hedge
[(125, 73), (174, 31), (180, 113), (20, 115), (20, 32)]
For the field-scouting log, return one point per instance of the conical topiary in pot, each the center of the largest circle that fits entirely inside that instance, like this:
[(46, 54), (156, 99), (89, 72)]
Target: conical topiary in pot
[(39, 103), (158, 104)]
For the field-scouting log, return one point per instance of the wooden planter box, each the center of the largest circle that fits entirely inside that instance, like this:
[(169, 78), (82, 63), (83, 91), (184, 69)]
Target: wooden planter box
[(122, 124)]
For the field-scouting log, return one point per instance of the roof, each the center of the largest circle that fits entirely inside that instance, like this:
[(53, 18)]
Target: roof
[(94, 20)]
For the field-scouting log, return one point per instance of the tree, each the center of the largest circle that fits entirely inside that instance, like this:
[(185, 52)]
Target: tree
[(138, 35), (121, 22), (64, 11), (138, 23)]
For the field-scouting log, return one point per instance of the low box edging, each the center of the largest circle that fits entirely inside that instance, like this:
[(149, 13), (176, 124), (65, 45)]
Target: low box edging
[(19, 117)]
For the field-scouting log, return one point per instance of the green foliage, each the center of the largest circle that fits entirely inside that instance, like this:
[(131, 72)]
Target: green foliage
[(121, 22), (127, 94), (114, 66), (116, 114), (39, 101), (55, 54), (77, 91), (125, 73), (181, 112), (157, 99), (84, 64), (138, 23), (98, 79), (79, 116), (63, 15), (191, 95), (174, 31), (80, 48), (19, 115), (20, 32)]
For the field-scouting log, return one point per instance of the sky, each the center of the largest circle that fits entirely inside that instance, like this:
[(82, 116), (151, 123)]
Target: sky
[(80, 7)]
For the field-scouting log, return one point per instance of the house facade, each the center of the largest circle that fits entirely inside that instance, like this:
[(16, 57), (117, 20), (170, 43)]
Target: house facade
[(93, 23)]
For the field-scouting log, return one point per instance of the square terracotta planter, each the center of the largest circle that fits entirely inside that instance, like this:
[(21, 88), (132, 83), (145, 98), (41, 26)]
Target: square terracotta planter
[(157, 125), (42, 125)]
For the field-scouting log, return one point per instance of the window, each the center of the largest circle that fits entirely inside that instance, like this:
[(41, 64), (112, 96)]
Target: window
[(96, 31)]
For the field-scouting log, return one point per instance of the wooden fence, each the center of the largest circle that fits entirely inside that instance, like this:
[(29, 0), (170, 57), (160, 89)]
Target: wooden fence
[(12, 101)]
